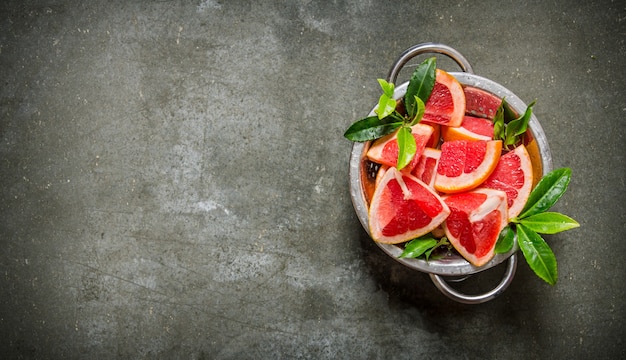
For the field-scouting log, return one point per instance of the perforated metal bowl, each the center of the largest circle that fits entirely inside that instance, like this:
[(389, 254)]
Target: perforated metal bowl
[(452, 265)]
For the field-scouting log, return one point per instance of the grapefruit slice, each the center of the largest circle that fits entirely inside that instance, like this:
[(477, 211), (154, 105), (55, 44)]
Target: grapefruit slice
[(380, 174), (475, 221), (480, 103), (433, 142), (464, 165), (514, 176), (404, 208), (446, 104), (472, 128), (385, 150), (426, 168)]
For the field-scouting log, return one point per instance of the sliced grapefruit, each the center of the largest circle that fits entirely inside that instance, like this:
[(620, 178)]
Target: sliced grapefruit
[(446, 104), (472, 128), (480, 103), (380, 174), (475, 221), (464, 165), (385, 150), (433, 142), (426, 168), (514, 176), (404, 208)]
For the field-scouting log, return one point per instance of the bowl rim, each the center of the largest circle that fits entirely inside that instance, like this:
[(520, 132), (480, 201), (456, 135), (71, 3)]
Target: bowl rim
[(452, 265)]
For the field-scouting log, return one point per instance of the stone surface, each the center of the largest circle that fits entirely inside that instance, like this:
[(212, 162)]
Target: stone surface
[(174, 180)]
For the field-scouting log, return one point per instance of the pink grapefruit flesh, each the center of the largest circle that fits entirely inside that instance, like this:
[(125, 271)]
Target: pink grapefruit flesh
[(472, 128), (514, 176), (426, 168), (464, 165), (446, 104), (480, 103), (385, 150), (404, 208), (475, 221)]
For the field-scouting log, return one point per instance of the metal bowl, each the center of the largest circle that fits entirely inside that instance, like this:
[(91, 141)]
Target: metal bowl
[(452, 265)]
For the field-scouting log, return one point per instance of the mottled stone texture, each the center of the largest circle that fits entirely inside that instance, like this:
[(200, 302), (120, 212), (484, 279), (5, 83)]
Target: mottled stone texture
[(174, 180)]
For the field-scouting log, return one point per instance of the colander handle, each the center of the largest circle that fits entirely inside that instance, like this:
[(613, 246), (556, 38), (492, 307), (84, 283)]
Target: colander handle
[(418, 49), (455, 295)]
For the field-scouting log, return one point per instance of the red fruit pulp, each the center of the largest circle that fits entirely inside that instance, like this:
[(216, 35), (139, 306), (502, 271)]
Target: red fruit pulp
[(466, 157), (468, 233), (478, 126), (480, 103)]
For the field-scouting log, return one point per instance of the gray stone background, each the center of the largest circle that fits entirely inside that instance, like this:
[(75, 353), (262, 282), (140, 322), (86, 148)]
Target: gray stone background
[(174, 180)]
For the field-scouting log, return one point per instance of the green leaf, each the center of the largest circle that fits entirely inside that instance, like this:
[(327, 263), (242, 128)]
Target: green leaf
[(421, 84), (547, 192), (498, 122), (549, 222), (371, 128), (509, 113), (538, 254), (417, 247), (388, 88), (386, 106), (406, 147), (517, 127), (441, 242), (419, 109), (505, 242)]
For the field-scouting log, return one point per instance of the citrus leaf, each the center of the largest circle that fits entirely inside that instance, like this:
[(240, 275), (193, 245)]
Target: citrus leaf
[(386, 106), (517, 127), (417, 247), (509, 113), (441, 242), (421, 84), (498, 122), (388, 88), (549, 222), (505, 241), (537, 253), (371, 128), (406, 147), (419, 109), (547, 192)]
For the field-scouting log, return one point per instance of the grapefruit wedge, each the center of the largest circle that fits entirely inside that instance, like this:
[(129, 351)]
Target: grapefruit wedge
[(435, 137), (514, 176), (472, 128), (464, 165), (426, 168), (475, 221), (385, 150), (404, 208), (446, 104), (480, 103)]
